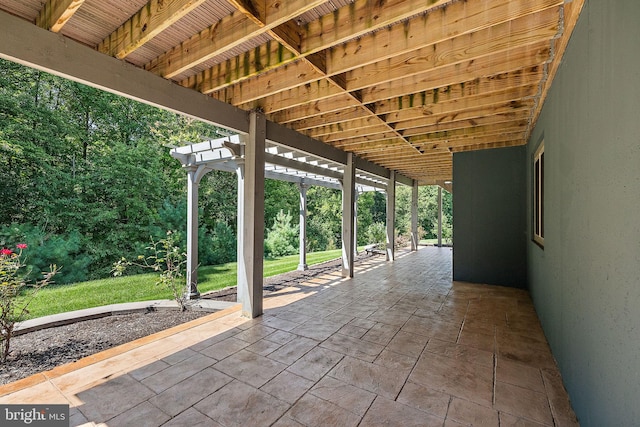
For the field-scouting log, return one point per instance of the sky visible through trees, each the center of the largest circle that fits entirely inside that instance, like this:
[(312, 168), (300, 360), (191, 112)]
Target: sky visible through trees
[(87, 179)]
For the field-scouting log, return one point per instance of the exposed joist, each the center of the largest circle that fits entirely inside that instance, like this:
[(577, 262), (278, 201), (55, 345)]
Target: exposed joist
[(348, 22), (439, 140), (153, 18), (483, 120), (571, 12), (43, 50), (503, 102), (422, 123), (456, 20), (526, 57), (330, 118), (472, 117), (349, 133), (386, 136), (469, 132), (265, 57), (226, 34), (500, 40), (479, 140), (497, 144), (298, 73), (358, 124), (452, 82), (506, 86), (514, 97), (55, 13), (484, 45)]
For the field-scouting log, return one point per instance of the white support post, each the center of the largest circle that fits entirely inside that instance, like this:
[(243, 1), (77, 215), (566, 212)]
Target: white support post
[(355, 224), (192, 233), (194, 175), (391, 216), (250, 264), (302, 266), (348, 198), (414, 216), (241, 290), (439, 216)]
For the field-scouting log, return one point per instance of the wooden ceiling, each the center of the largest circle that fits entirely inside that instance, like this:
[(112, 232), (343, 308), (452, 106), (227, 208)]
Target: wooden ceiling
[(402, 83)]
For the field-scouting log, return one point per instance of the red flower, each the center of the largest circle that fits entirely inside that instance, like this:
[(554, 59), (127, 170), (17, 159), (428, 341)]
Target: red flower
[(6, 252), (21, 246)]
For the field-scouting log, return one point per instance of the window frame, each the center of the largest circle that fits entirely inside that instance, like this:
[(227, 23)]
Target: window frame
[(538, 195)]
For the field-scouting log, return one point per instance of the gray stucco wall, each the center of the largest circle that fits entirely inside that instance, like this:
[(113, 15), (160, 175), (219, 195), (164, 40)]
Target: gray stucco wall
[(586, 282), (489, 222)]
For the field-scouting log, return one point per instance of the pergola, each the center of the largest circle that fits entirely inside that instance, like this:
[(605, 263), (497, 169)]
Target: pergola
[(319, 166), (384, 91)]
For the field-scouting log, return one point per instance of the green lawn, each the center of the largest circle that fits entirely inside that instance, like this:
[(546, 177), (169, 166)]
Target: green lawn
[(141, 287)]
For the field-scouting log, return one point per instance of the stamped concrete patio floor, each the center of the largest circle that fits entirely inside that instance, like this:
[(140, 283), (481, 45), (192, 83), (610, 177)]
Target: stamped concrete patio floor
[(398, 345)]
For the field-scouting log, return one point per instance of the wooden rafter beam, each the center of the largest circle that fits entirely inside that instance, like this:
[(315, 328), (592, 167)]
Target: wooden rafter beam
[(152, 18), (298, 73), (469, 132), (489, 45), (438, 140), (418, 90), (457, 109), (330, 118), (56, 13), (231, 31), (353, 132), (456, 21), (335, 123), (402, 158), (348, 22), (571, 12), (358, 124), (480, 140), (530, 57), (326, 36), (484, 45), (380, 137), (492, 89), (481, 120), (514, 97), (497, 144)]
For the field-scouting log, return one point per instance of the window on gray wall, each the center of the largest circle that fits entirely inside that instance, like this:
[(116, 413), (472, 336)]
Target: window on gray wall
[(538, 195)]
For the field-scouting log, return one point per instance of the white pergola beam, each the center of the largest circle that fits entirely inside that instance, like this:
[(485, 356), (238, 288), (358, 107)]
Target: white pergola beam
[(289, 138)]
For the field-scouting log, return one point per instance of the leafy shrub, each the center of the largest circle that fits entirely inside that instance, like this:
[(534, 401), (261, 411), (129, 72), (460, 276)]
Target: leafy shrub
[(167, 259), (45, 249), (15, 293)]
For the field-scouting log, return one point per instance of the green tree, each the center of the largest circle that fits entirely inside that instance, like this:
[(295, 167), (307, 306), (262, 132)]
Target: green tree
[(282, 236), (324, 223)]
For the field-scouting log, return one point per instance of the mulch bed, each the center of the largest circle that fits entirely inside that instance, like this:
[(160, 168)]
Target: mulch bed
[(47, 348)]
